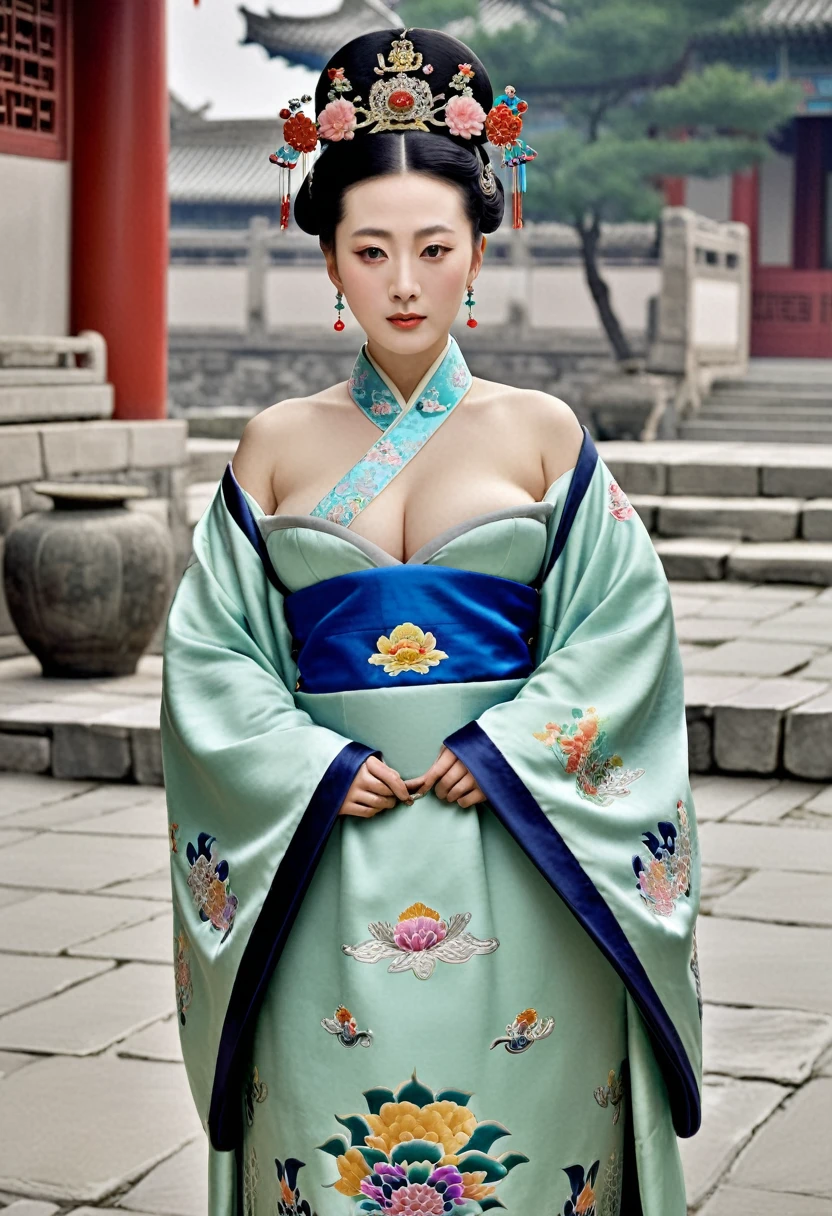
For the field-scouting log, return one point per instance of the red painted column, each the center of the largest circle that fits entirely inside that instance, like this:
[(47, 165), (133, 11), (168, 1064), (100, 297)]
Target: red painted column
[(119, 194), (745, 206)]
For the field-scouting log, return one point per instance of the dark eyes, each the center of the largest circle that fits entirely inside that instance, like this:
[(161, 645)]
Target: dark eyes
[(373, 254)]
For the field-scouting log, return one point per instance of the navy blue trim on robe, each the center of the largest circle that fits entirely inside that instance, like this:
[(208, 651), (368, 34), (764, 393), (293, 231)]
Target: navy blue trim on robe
[(241, 513), (268, 937), (578, 486), (519, 812)]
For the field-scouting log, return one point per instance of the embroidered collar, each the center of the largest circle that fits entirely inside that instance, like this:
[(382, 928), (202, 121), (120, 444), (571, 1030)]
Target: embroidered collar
[(406, 427), (445, 382)]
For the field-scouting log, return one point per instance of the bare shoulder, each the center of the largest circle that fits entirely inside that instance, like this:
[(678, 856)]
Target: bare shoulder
[(555, 429), (279, 430)]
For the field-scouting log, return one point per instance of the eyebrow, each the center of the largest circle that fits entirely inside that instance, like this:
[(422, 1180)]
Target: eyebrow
[(383, 232)]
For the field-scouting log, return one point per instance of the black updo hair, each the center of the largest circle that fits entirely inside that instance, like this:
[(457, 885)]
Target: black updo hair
[(344, 163)]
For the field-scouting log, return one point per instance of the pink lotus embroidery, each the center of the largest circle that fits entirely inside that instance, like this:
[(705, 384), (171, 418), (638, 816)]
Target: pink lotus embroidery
[(620, 506), (419, 938)]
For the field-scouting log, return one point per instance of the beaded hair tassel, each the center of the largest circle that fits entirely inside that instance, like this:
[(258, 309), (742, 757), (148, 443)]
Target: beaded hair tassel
[(300, 137), (503, 126)]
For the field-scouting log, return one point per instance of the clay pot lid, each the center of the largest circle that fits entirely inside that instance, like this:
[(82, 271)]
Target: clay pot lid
[(79, 493)]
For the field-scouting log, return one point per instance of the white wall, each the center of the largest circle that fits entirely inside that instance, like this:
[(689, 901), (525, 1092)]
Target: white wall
[(710, 196), (34, 245), (776, 210), (556, 297)]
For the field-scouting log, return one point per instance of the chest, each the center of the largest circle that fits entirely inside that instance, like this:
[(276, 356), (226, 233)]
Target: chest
[(476, 462)]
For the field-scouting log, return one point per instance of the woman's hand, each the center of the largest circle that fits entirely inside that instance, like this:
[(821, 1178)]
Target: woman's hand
[(375, 787), (449, 779)]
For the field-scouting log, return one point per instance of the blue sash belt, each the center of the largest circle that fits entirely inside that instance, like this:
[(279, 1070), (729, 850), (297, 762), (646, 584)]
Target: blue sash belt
[(454, 626)]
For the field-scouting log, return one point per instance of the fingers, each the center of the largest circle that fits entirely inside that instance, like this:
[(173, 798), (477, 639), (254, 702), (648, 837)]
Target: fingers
[(440, 766), (383, 772), (456, 773), (380, 802)]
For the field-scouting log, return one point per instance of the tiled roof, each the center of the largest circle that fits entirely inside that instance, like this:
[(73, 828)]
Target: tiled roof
[(311, 40), (794, 16), (223, 173)]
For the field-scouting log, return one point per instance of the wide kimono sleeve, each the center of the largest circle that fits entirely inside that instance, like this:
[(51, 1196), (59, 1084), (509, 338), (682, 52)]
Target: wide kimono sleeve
[(587, 767), (253, 790)]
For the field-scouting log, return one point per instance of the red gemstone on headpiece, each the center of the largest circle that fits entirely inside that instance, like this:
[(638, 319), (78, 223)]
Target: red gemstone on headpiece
[(401, 100), (284, 113)]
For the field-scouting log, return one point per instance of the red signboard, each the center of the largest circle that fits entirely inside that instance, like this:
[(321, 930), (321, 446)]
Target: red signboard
[(33, 78), (791, 312)]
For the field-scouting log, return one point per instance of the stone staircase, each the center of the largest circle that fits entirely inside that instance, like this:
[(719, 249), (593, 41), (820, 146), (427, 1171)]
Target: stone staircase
[(751, 512), (778, 401)]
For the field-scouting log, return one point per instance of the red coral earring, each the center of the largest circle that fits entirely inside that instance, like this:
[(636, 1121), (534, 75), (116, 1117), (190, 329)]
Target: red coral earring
[(339, 305), (469, 304)]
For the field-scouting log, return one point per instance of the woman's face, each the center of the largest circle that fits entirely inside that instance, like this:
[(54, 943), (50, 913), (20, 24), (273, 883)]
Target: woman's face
[(403, 258)]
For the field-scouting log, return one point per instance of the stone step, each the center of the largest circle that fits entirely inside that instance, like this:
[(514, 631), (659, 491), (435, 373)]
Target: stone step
[(754, 519), (727, 469), (756, 430), (207, 458), (109, 730), (706, 558), (772, 395), (715, 410)]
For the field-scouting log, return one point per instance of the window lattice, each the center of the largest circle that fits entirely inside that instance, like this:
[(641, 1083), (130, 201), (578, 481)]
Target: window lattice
[(31, 77)]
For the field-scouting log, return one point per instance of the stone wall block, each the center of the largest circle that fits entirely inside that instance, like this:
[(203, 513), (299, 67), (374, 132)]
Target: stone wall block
[(807, 749), (20, 455), (24, 753), (146, 746), (817, 518), (158, 443), (717, 480), (748, 726), (11, 505), (84, 751), (700, 740), (84, 447)]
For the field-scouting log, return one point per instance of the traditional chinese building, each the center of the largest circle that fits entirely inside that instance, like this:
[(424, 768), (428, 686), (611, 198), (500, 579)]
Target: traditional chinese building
[(83, 183), (787, 202)]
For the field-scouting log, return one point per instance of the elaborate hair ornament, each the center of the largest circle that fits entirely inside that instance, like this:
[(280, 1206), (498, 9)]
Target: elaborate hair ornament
[(399, 101)]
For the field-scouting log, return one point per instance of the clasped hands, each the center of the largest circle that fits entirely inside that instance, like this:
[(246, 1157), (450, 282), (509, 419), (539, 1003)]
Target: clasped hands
[(378, 787)]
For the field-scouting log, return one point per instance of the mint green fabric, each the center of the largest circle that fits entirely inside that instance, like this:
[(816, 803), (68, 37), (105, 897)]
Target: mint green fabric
[(243, 754)]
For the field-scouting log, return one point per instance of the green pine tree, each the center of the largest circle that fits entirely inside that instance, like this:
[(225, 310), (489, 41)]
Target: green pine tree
[(632, 102)]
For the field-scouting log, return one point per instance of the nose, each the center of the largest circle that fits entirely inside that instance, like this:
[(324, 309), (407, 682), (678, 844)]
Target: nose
[(404, 287)]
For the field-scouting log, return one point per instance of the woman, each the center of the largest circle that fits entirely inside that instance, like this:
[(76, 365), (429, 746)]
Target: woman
[(434, 861)]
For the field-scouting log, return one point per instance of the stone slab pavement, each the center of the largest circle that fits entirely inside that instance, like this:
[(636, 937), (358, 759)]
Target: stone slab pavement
[(95, 1112)]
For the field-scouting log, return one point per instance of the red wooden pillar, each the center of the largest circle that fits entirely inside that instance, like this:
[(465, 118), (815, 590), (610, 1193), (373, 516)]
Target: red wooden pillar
[(119, 194), (745, 206)]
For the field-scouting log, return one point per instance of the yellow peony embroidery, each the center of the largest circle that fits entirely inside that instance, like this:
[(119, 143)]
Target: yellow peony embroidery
[(444, 1123), (352, 1167), (407, 649), (419, 909)]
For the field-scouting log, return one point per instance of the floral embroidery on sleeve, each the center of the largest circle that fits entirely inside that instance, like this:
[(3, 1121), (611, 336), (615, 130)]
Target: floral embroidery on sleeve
[(344, 1026), (582, 748), (524, 1031), (582, 1201), (620, 507), (665, 874), (182, 975), (289, 1199), (419, 938), (611, 1094), (209, 884), (407, 649)]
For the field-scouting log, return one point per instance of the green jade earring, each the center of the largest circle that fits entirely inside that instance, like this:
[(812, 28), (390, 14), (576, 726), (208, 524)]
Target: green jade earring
[(469, 304), (339, 306)]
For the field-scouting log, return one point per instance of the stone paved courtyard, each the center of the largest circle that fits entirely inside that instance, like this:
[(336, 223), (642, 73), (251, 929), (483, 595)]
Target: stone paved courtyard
[(94, 1105)]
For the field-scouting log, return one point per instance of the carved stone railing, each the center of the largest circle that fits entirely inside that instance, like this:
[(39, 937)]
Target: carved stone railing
[(50, 379)]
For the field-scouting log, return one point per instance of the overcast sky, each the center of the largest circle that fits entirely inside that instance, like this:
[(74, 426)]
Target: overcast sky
[(207, 63)]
